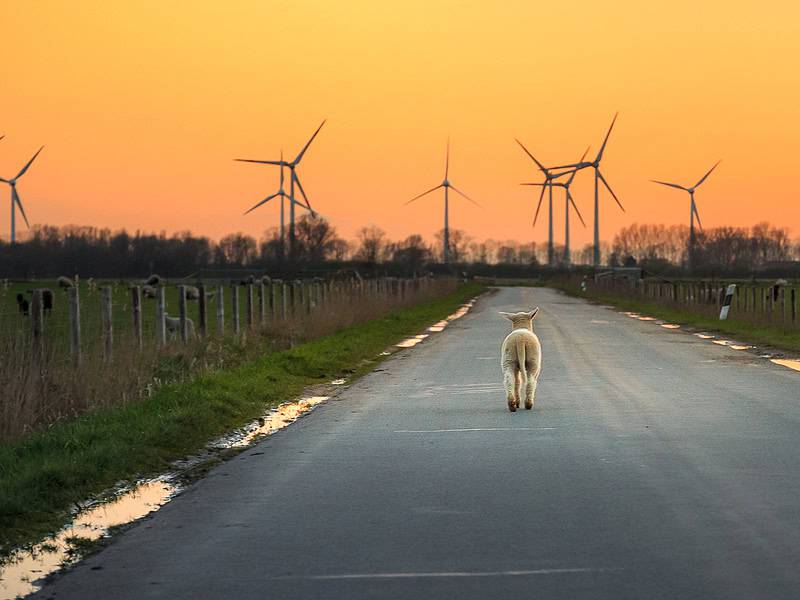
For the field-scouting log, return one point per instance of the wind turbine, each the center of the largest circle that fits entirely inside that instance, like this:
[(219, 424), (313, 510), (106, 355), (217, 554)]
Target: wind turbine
[(447, 186), (293, 179), (598, 176), (568, 199), (549, 176), (283, 196), (692, 207), (15, 200)]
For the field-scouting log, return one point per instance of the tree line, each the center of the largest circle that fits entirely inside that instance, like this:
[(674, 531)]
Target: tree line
[(92, 252)]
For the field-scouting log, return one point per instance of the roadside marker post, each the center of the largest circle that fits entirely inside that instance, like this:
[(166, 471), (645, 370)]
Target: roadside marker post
[(726, 304)]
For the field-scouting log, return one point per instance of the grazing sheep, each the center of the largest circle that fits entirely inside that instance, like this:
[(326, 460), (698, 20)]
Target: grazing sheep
[(148, 291), (191, 292), (521, 359), (247, 280), (174, 326), (22, 305), (65, 283), (155, 280)]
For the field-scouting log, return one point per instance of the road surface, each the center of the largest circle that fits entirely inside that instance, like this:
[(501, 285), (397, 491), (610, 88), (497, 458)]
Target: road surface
[(654, 465)]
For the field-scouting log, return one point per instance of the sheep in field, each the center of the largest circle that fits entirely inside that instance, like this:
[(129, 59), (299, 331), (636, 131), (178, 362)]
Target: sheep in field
[(65, 282), (173, 325), (521, 359)]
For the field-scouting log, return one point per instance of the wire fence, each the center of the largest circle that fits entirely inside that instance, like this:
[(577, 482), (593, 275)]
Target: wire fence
[(69, 349)]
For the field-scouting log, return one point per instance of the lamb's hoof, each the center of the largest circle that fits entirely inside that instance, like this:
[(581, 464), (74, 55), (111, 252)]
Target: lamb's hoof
[(512, 406), (528, 405)]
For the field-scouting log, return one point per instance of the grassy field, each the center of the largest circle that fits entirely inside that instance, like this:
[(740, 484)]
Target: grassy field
[(46, 473), (743, 330)]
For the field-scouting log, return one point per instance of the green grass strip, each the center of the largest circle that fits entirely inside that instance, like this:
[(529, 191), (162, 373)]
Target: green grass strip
[(767, 335), (45, 474)]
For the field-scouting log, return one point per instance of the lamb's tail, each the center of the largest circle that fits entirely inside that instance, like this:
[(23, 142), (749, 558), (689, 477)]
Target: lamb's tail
[(519, 346)]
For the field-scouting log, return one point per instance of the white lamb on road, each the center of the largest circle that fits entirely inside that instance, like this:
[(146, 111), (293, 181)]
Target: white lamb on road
[(521, 359)]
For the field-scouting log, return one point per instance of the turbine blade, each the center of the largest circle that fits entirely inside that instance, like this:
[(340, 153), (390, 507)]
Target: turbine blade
[(608, 187), (533, 158), (697, 214), (433, 189), (585, 153), (25, 168), (264, 201), (675, 185), (539, 205), (707, 174), (536, 184), (302, 191), (281, 168), (15, 199), (308, 143), (447, 160), (605, 141), (4, 180), (575, 206), (458, 191), (261, 162), (576, 166)]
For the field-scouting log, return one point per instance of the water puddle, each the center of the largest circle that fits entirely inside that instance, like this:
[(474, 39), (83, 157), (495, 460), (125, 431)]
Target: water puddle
[(437, 327), (789, 363), (647, 318), (22, 573), (705, 336), (670, 326), (275, 420), (632, 315), (412, 341), (338, 382)]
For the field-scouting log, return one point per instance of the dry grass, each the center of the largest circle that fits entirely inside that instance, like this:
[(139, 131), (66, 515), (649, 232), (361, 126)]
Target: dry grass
[(39, 389)]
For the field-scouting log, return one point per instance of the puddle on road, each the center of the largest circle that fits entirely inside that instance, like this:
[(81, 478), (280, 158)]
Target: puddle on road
[(670, 326), (647, 318), (338, 382), (22, 573), (275, 420), (435, 328), (789, 363), (705, 336)]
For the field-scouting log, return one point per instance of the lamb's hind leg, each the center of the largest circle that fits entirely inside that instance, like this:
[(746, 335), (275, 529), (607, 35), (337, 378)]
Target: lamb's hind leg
[(530, 391), (510, 384)]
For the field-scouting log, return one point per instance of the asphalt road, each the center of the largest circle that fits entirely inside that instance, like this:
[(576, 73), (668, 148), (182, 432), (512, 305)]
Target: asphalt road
[(654, 465)]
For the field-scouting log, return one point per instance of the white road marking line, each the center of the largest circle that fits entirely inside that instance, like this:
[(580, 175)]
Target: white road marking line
[(467, 429), (436, 574)]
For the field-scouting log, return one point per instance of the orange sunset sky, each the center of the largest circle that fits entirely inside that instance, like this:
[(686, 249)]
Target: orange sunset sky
[(143, 105)]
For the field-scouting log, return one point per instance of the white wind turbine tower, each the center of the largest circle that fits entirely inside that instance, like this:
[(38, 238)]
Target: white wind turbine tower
[(447, 186), (283, 196), (598, 177), (692, 207), (15, 200), (568, 199), (293, 179), (549, 177)]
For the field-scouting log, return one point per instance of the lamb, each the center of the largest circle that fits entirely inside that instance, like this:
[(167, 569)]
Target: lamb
[(192, 293), (65, 282), (22, 305), (173, 325), (148, 291), (521, 359), (155, 280)]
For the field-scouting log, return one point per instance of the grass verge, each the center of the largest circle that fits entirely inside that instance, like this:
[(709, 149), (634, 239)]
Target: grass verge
[(45, 474), (764, 335)]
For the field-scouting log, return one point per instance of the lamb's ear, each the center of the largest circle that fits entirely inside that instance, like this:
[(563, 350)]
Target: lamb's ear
[(508, 316), (533, 313)]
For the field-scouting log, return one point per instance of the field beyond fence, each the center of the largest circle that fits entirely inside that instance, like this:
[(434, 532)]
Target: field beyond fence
[(764, 312), (91, 346)]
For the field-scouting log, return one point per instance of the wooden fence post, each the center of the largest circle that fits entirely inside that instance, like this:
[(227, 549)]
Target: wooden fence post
[(106, 321), (136, 314), (161, 316), (74, 325), (220, 300), (794, 306), (262, 305), (202, 306), (249, 306), (284, 300), (184, 328), (235, 308)]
